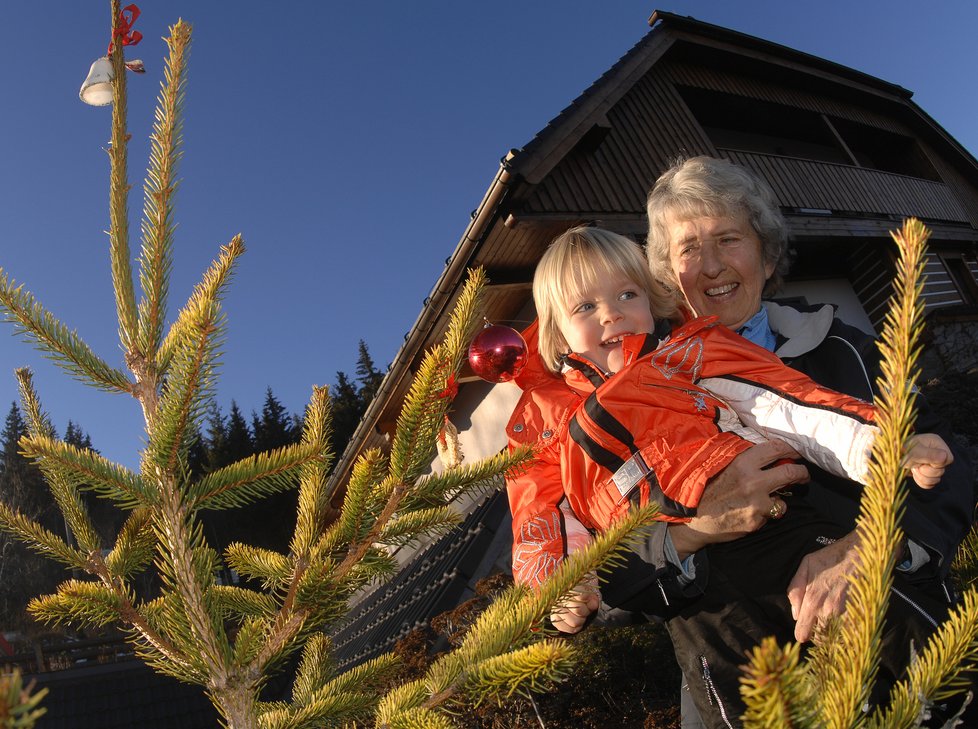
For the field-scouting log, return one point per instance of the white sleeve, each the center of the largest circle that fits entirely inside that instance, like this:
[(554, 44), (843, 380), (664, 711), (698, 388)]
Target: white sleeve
[(828, 437)]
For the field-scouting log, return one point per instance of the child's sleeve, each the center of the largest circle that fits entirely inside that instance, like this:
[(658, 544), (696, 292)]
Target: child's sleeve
[(540, 539), (545, 528), (828, 428)]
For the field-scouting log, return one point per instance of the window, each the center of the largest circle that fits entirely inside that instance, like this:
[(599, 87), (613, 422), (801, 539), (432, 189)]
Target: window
[(879, 149), (962, 276), (749, 125)]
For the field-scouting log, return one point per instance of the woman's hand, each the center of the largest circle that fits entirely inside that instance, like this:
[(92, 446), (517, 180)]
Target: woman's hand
[(738, 500), (819, 587)]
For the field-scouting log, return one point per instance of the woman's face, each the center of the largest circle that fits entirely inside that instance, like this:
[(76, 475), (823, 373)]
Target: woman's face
[(719, 265)]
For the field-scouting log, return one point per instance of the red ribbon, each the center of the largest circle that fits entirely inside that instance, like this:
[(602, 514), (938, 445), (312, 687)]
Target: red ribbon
[(451, 388), (123, 32)]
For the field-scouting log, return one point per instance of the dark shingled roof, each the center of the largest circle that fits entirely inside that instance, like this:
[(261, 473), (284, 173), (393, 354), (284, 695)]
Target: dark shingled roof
[(435, 581)]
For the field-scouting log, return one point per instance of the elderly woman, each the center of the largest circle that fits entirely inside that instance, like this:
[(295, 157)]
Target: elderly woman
[(717, 236)]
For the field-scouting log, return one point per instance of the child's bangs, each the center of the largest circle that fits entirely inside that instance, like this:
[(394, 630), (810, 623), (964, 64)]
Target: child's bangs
[(583, 266)]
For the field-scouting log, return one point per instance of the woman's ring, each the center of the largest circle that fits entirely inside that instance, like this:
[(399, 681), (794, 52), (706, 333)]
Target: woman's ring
[(777, 509)]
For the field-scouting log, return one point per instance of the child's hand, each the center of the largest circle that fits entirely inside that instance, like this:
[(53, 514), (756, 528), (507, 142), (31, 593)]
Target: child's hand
[(927, 457), (570, 615)]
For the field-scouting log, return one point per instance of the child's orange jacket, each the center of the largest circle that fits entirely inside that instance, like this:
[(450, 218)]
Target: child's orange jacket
[(659, 430)]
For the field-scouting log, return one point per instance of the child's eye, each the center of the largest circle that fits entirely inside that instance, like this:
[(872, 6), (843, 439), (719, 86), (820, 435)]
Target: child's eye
[(628, 295), (583, 308)]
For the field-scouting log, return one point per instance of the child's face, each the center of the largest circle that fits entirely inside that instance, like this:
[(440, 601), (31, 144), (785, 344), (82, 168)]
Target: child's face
[(595, 321)]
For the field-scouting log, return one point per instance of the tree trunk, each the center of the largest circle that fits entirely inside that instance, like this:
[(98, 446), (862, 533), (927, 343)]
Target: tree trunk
[(238, 706)]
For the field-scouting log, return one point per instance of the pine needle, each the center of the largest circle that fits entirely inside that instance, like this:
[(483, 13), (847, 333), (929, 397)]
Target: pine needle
[(62, 486), (75, 602), (86, 470), (468, 478), (253, 478), (270, 567), (210, 289), (19, 707), (134, 546), (535, 667), (118, 151), (938, 671), (54, 339), (408, 528), (236, 603), (776, 688), (159, 189), (314, 495), (39, 539)]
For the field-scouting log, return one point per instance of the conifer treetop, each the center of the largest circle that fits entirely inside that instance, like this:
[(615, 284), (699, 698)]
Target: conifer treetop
[(831, 688), (229, 638)]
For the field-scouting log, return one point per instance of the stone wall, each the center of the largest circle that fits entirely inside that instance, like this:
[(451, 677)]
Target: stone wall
[(952, 346), (949, 381)]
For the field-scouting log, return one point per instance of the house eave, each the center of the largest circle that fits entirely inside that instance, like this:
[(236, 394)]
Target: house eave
[(799, 59)]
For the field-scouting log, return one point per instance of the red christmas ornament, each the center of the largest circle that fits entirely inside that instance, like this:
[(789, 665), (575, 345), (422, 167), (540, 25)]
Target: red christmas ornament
[(497, 353)]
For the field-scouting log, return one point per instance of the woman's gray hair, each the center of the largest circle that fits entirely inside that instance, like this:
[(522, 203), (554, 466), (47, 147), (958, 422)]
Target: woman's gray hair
[(717, 188)]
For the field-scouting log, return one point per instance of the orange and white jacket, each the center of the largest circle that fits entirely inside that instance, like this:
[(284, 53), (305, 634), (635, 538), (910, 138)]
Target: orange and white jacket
[(659, 430)]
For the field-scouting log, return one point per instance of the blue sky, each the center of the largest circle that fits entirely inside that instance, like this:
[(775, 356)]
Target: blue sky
[(348, 143)]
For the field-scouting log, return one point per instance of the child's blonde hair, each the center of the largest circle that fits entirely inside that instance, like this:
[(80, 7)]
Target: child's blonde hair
[(573, 260)]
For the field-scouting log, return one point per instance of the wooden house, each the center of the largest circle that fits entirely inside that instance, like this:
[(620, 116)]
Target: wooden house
[(848, 156)]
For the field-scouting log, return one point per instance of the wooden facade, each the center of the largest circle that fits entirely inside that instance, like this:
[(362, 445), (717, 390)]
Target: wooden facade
[(848, 156)]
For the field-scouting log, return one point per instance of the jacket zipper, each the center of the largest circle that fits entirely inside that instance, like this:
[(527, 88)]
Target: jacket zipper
[(712, 692), (916, 607)]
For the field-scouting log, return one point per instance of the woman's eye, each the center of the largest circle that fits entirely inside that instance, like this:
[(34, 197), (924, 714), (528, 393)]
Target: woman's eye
[(729, 240)]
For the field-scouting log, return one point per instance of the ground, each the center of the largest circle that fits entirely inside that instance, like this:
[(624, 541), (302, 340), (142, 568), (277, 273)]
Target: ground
[(626, 675)]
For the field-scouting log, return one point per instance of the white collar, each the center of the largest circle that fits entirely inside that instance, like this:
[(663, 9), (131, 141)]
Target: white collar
[(803, 330)]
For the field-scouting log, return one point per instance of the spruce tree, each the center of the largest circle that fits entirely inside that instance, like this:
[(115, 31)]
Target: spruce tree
[(23, 574), (267, 524), (347, 408), (238, 442), (13, 467), (197, 458), (74, 435), (274, 428), (230, 639), (14, 428), (216, 438), (368, 375)]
